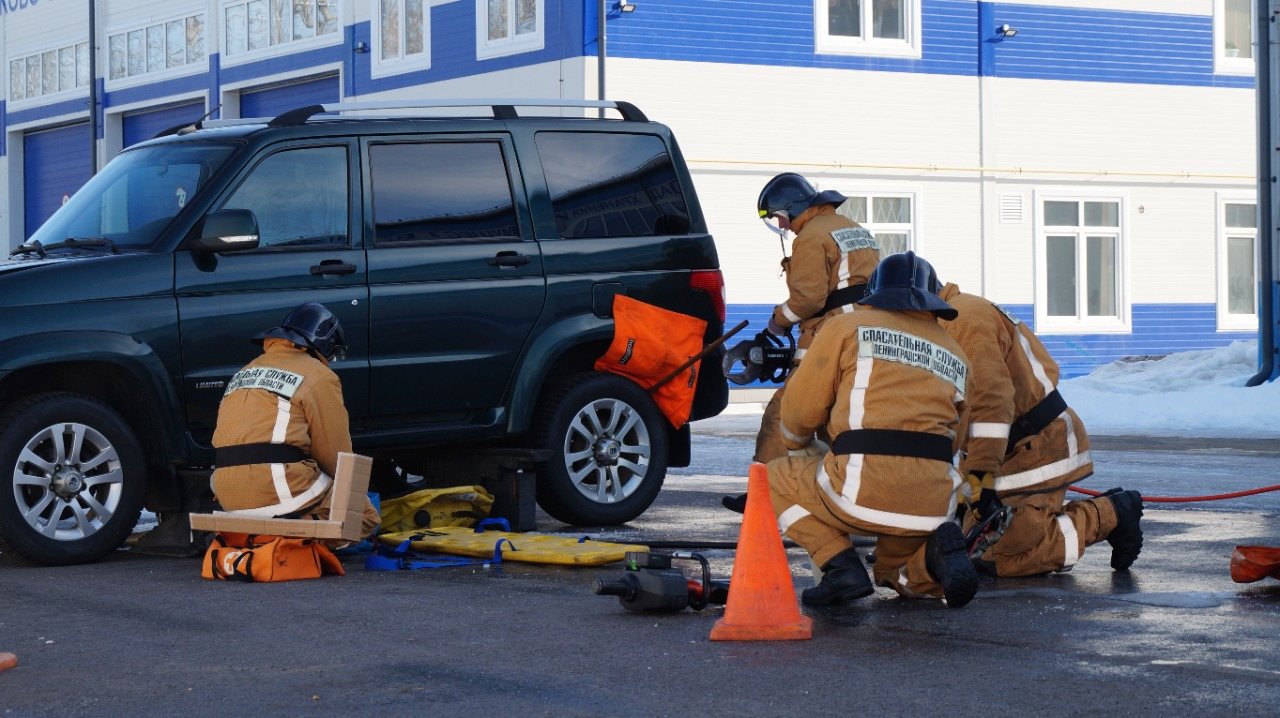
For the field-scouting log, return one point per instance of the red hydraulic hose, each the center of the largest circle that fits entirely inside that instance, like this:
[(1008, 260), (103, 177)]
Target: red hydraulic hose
[(1190, 499)]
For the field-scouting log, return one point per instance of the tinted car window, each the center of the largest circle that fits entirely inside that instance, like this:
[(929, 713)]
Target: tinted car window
[(299, 197), (440, 191), (612, 185)]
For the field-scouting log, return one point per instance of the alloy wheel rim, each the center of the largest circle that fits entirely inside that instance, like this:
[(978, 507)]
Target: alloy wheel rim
[(606, 451), (67, 481)]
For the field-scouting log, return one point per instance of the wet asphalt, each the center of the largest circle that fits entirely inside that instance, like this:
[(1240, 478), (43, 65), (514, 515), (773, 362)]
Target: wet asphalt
[(143, 635)]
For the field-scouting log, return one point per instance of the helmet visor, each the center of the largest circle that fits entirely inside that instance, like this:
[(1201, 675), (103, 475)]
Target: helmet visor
[(778, 223)]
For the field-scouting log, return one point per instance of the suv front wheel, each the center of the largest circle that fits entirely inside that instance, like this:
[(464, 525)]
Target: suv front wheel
[(609, 450), (72, 479)]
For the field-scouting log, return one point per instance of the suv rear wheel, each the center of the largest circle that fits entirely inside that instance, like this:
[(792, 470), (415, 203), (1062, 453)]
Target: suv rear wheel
[(72, 479), (609, 444)]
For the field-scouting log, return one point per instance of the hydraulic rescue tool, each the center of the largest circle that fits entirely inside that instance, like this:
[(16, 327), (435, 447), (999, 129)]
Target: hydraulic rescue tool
[(766, 358), (652, 585), (984, 534)]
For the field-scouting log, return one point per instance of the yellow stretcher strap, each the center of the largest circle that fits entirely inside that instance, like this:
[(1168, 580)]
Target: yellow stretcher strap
[(526, 547)]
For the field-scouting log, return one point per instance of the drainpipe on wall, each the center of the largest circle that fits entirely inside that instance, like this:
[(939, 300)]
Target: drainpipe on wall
[(600, 13), (93, 87), (1268, 292)]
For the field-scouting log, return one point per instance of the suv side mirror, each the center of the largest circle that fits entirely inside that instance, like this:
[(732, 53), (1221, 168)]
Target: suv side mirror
[(229, 230)]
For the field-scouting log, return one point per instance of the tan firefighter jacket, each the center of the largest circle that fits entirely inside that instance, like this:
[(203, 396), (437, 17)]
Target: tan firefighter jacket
[(1011, 375), (880, 370), (829, 253), (285, 396)]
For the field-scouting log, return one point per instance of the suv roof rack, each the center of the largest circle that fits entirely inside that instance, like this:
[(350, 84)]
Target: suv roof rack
[(503, 109)]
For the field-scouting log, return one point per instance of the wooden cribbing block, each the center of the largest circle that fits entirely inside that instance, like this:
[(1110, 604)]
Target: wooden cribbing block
[(346, 509)]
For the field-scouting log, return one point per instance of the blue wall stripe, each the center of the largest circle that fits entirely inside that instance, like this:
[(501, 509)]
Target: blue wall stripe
[(304, 60), (1158, 329), (141, 126), (276, 100), (156, 90)]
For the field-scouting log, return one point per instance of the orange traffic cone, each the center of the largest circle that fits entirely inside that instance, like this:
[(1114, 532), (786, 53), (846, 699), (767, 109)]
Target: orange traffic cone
[(7, 661), (1254, 563), (762, 600)]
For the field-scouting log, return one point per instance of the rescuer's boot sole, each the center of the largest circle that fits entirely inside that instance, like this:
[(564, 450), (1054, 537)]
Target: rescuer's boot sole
[(948, 563), (1126, 537)]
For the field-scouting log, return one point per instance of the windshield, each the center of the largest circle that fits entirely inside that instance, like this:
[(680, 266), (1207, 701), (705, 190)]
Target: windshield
[(136, 195)]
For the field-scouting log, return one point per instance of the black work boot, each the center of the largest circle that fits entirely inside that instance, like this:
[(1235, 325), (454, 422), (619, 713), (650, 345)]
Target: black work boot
[(736, 504), (948, 563), (844, 578), (1126, 537)]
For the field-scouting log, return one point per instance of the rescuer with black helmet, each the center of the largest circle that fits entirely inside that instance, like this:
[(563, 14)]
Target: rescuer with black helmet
[(282, 423)]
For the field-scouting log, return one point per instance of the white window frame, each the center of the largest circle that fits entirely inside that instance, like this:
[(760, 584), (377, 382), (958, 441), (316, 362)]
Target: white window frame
[(287, 47), (513, 44), (827, 44), (43, 98), (403, 63), (145, 77), (1122, 322), (1222, 64), (912, 228), (1228, 322)]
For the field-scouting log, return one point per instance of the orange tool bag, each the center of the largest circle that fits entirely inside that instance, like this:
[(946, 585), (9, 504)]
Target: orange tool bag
[(263, 559), (648, 344)]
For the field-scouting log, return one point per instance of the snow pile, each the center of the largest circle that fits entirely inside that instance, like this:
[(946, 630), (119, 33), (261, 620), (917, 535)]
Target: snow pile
[(1196, 393)]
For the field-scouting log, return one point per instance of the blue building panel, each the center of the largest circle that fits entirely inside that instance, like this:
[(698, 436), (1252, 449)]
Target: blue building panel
[(55, 163), (273, 101), (142, 126)]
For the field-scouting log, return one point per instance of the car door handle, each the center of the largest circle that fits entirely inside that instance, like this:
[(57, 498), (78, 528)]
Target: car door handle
[(334, 266), (509, 260)]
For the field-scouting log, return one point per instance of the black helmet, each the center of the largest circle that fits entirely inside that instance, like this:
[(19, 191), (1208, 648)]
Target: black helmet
[(311, 326), (905, 282), (791, 194)]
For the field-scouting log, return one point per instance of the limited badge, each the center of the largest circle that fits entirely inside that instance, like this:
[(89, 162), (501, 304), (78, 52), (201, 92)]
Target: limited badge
[(851, 239), (898, 346), (276, 381)]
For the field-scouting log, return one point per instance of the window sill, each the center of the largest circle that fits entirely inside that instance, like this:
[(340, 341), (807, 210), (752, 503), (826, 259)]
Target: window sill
[(391, 68), (490, 51), (1050, 326), (867, 48), (1233, 66), (1237, 324)]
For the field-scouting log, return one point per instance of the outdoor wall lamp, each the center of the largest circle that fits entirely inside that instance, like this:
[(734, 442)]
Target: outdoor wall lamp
[(1006, 30), (625, 6)]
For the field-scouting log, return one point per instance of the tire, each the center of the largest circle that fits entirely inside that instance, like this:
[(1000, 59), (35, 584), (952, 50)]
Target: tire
[(66, 462), (600, 426)]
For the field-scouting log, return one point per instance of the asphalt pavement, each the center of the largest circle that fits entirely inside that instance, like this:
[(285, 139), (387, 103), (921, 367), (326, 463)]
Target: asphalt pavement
[(142, 635)]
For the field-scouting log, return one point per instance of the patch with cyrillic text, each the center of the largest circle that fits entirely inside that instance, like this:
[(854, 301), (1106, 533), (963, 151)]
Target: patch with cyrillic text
[(276, 381), (851, 239), (903, 348)]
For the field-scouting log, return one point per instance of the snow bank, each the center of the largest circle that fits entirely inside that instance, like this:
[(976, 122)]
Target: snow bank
[(1197, 393)]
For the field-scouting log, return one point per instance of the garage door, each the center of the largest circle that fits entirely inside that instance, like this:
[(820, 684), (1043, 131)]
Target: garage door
[(54, 165), (140, 126), (271, 101)]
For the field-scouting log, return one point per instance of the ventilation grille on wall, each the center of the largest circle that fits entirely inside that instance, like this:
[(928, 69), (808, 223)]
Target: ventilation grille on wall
[(1011, 209)]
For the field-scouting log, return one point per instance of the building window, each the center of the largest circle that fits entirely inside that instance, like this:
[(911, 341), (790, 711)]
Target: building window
[(867, 27), (1233, 36), (402, 34), (1081, 269), (47, 73), (891, 219), (508, 27), (1237, 265), (258, 25), (160, 46)]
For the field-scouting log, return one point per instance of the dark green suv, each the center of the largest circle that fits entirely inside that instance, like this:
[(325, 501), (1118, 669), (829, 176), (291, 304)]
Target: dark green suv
[(472, 261)]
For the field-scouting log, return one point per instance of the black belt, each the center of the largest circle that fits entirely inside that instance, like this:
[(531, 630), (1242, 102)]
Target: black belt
[(245, 454), (894, 442), (840, 297), (1033, 422)]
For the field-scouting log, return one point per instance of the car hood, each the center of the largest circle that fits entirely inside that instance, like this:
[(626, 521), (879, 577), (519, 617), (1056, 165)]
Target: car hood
[(83, 276)]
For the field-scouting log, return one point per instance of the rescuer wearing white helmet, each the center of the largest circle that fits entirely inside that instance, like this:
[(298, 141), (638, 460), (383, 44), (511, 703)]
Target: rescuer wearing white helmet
[(1025, 446), (889, 385)]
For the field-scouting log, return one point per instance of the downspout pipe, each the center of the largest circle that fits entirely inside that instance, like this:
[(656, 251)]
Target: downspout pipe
[(601, 11), (1267, 225), (92, 87)]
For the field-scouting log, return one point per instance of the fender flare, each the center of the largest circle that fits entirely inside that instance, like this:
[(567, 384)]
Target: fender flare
[(546, 349), (163, 412)]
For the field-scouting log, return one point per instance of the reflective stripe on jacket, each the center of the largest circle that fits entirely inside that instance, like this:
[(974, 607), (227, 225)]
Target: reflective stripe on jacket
[(284, 396), (830, 252), (1011, 373), (875, 369)]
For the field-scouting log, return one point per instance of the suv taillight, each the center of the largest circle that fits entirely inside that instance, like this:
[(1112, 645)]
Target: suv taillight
[(710, 281)]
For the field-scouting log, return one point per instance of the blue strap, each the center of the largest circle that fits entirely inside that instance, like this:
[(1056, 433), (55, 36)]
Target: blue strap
[(502, 524), (497, 549), (402, 558)]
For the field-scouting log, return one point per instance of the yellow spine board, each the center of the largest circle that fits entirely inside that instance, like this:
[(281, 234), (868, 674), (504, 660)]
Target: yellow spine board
[(526, 547)]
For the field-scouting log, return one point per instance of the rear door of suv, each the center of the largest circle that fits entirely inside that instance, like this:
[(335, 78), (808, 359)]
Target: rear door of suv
[(455, 278)]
